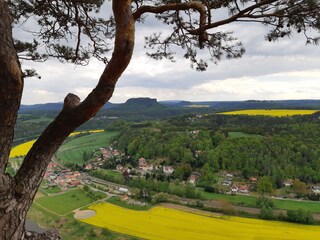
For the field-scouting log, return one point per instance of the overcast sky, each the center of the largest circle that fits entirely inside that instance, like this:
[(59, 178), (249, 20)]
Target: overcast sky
[(287, 69)]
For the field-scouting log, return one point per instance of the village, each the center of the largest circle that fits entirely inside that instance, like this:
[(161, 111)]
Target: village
[(230, 183)]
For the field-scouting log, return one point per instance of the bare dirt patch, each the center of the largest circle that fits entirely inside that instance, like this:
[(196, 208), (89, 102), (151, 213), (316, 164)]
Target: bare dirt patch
[(84, 214)]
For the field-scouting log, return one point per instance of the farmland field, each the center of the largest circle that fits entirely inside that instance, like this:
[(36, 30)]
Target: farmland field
[(244, 200), (250, 201), (311, 206), (72, 151), (64, 203), (23, 149), (166, 223), (51, 190), (271, 112), (70, 228), (89, 131)]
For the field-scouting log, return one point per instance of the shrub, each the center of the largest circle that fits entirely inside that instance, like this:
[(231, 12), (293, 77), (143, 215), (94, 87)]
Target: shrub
[(227, 208), (264, 202), (266, 213), (300, 216), (210, 189), (160, 197), (313, 197)]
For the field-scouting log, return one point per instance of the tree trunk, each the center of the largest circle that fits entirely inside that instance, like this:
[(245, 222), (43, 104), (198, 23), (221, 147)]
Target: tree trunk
[(17, 193), (11, 83), (12, 214)]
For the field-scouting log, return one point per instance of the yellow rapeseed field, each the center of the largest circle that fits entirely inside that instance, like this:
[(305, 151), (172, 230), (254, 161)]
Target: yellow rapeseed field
[(23, 149), (271, 112), (90, 131), (161, 223)]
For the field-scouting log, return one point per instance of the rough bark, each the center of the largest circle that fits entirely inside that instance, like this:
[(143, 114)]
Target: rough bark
[(49, 235), (11, 83), (16, 195)]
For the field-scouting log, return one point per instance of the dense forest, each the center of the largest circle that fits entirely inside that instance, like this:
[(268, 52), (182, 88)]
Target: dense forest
[(278, 147)]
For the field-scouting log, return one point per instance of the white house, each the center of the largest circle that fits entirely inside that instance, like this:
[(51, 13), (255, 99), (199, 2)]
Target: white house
[(168, 170)]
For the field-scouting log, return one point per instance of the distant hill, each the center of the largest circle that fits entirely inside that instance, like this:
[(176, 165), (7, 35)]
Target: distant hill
[(177, 103), (150, 106), (137, 109), (250, 104), (41, 107), (52, 107), (140, 103), (281, 104)]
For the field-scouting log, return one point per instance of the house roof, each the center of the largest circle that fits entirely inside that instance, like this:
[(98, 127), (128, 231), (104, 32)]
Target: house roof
[(142, 161), (243, 188), (75, 182)]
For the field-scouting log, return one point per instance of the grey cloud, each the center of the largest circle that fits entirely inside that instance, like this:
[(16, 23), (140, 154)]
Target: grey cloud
[(178, 80)]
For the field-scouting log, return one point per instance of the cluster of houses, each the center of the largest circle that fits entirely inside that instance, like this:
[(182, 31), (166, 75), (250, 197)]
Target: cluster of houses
[(237, 188), (106, 155), (244, 188), (144, 167), (64, 178), (315, 189)]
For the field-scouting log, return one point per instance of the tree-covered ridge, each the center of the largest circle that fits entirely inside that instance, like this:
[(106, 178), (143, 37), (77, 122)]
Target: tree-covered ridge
[(285, 147), (33, 119)]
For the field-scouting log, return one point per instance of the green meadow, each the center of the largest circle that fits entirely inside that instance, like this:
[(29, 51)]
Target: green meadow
[(250, 201), (64, 203), (73, 150)]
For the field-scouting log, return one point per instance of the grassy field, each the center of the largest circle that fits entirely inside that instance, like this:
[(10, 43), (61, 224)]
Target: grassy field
[(313, 207), (250, 201), (161, 223), (111, 172), (50, 190), (72, 151), (23, 149), (271, 112), (62, 204), (241, 134), (234, 199), (71, 229)]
